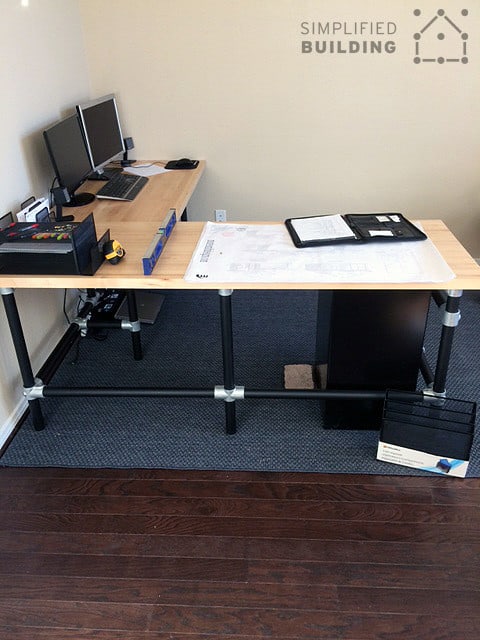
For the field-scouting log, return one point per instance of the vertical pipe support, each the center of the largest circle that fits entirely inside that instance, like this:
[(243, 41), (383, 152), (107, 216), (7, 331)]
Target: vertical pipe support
[(450, 320), (135, 332), (225, 296), (25, 366)]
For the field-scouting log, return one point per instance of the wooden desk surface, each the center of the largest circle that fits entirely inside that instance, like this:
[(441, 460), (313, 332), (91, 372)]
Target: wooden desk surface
[(135, 223), (162, 192), (170, 269)]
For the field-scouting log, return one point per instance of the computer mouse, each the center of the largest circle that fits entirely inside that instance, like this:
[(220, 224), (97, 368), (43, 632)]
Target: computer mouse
[(184, 163)]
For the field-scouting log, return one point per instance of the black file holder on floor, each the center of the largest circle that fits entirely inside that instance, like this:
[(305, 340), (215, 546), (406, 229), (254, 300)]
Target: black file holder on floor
[(437, 426)]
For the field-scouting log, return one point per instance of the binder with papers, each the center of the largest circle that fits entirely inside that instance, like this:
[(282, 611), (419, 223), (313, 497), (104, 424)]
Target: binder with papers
[(313, 231)]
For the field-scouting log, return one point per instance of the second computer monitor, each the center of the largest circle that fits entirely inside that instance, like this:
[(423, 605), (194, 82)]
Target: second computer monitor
[(102, 130), (69, 158)]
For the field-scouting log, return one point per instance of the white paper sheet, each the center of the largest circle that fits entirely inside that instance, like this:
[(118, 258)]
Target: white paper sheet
[(265, 253), (147, 170), (322, 228)]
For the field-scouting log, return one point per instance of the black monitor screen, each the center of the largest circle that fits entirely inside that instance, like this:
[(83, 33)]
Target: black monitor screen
[(101, 126), (68, 153)]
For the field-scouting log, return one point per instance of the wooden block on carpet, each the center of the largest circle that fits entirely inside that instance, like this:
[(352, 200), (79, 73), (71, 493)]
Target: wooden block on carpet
[(298, 376), (304, 376)]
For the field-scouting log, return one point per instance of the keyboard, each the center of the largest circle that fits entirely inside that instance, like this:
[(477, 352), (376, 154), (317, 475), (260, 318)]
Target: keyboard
[(122, 186)]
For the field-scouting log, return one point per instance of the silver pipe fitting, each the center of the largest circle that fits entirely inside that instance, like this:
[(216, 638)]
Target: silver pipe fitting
[(229, 395)]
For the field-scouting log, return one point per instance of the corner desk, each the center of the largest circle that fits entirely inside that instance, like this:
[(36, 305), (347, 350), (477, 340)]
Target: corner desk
[(134, 225)]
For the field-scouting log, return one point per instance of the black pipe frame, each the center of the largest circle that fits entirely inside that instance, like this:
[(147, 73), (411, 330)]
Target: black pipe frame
[(444, 352), (157, 392)]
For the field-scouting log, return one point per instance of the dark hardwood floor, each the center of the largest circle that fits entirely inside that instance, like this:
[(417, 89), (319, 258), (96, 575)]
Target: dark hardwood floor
[(137, 554)]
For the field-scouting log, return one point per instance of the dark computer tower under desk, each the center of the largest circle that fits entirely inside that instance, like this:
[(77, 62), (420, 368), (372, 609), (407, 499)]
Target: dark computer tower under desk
[(375, 343)]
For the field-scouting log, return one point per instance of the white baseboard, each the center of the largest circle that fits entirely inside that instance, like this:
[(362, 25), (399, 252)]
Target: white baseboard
[(7, 427)]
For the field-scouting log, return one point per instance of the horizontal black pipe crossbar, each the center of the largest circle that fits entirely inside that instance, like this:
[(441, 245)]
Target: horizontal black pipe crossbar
[(306, 394), (104, 324), (141, 392), (315, 394)]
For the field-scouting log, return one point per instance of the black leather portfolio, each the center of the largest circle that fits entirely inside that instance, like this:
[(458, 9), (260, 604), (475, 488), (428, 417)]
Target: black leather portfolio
[(313, 231)]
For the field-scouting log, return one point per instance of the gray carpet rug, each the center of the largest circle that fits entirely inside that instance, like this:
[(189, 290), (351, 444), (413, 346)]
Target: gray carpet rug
[(182, 349)]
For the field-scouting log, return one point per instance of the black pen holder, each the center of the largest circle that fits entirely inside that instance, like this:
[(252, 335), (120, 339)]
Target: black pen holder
[(435, 425), (54, 248)]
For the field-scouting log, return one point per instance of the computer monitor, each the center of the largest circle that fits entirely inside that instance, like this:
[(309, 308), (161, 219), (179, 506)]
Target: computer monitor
[(102, 131), (69, 158)]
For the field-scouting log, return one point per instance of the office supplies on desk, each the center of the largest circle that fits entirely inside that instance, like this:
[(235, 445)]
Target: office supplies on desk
[(122, 186), (147, 170), (27, 203), (113, 251), (43, 215), (182, 163), (159, 240), (6, 220), (32, 210), (264, 253), (313, 231), (427, 432), (51, 248)]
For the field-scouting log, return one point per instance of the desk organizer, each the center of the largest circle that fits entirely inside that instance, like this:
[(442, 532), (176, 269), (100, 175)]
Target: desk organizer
[(158, 243), (51, 248), (427, 432)]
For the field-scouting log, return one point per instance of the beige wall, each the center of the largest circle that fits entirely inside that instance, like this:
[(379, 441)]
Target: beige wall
[(286, 133), (42, 74)]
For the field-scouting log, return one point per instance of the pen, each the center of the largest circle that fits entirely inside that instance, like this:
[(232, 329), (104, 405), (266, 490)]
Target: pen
[(23, 234)]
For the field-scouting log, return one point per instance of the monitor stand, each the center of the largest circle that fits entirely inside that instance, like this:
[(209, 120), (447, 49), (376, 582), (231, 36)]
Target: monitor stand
[(80, 199), (128, 144), (125, 162), (99, 175), (105, 175)]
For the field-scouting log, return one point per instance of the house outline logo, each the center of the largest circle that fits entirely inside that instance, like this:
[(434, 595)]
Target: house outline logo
[(447, 26)]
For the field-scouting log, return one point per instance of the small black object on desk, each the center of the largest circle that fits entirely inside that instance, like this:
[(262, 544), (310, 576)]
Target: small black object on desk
[(312, 231), (113, 251), (182, 163), (128, 144), (61, 197)]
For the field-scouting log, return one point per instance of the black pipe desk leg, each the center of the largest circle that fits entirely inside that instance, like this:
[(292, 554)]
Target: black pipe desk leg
[(451, 318), (23, 357), (227, 352), (133, 317)]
